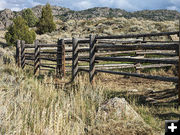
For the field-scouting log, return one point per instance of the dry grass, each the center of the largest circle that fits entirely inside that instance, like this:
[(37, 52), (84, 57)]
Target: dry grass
[(32, 106)]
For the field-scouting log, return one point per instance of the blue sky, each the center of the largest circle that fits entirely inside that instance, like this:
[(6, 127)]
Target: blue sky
[(129, 5)]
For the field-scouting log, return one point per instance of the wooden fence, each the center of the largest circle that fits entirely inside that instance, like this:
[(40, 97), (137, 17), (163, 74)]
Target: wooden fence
[(92, 53)]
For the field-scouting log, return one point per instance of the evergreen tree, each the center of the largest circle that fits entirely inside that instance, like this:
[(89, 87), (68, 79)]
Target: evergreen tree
[(46, 23), (29, 16), (19, 30)]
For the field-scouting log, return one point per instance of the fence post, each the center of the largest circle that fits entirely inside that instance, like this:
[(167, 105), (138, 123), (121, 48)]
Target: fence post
[(22, 54), (92, 51), (39, 57), (18, 53), (36, 56), (74, 58), (179, 67), (60, 69), (63, 58)]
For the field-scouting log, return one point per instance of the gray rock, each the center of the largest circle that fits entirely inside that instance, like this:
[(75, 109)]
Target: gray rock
[(2, 27), (117, 108), (6, 17)]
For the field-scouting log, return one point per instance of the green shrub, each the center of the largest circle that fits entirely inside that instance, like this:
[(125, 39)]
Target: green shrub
[(46, 23), (19, 30), (29, 16)]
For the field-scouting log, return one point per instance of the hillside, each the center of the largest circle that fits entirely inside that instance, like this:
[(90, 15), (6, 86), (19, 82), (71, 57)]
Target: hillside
[(66, 14)]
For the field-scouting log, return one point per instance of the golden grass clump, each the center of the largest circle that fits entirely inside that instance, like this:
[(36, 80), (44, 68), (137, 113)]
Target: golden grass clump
[(30, 107)]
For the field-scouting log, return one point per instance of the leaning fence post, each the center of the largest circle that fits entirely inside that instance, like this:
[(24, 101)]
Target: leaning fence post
[(74, 58), (92, 50), (36, 56), (60, 69), (179, 67), (22, 54), (18, 50), (63, 58)]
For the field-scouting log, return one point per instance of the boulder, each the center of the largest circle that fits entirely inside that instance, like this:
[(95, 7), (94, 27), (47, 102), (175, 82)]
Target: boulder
[(117, 117), (117, 108)]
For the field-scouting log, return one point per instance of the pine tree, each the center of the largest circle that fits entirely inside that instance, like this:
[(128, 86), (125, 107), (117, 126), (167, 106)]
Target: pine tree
[(19, 30), (29, 16), (46, 23)]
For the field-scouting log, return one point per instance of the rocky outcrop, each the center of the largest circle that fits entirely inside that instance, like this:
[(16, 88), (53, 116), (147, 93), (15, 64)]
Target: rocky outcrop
[(6, 17), (2, 27), (56, 10), (66, 14)]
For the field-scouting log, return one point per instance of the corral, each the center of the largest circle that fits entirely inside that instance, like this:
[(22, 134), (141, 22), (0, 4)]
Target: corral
[(93, 53)]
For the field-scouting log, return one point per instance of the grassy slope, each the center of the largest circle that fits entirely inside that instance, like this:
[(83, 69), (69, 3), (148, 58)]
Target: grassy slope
[(31, 106)]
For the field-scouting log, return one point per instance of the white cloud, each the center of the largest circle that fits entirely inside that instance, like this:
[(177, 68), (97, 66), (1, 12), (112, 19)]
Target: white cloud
[(125, 4), (175, 4), (16, 9), (17, 5), (3, 4), (172, 8), (82, 5)]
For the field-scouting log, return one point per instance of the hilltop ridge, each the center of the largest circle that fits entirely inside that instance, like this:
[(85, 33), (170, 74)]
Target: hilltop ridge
[(66, 14)]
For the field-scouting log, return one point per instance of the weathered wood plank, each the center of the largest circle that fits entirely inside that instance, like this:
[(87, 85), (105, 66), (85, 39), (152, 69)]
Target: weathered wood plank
[(80, 41), (36, 57), (63, 59), (179, 67), (160, 78), (29, 46), (171, 60), (48, 59), (22, 54), (92, 56), (42, 65), (154, 66), (47, 45), (138, 47), (18, 53), (75, 58), (60, 69)]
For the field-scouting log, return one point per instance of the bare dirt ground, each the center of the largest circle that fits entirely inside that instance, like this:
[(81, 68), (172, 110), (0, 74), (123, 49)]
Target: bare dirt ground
[(151, 91)]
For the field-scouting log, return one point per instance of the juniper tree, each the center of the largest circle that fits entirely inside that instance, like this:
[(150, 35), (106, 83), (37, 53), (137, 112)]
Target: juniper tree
[(19, 30), (29, 16), (46, 23)]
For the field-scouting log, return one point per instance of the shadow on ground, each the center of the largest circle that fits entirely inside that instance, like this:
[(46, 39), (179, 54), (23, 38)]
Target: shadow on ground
[(168, 116), (2, 44), (164, 98), (160, 103)]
